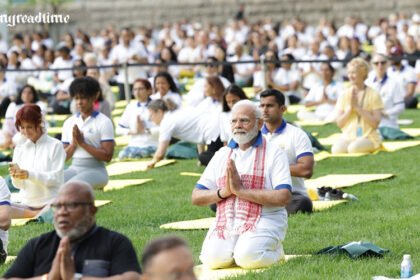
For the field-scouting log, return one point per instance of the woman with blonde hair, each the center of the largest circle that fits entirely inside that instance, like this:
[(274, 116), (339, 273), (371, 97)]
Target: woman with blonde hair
[(359, 113)]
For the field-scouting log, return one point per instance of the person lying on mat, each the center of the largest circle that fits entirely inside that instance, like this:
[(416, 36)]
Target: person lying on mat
[(359, 113), (392, 94), (294, 141), (167, 258), (186, 124), (135, 122), (38, 164), (88, 136), (77, 245), (249, 179)]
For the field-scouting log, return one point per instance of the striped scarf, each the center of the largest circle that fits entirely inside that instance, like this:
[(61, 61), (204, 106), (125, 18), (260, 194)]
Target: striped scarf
[(246, 212)]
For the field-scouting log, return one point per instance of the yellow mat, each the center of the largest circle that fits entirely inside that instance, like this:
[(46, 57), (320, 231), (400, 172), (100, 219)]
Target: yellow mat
[(412, 131), (117, 111), (119, 168), (192, 174), (122, 140), (334, 137), (393, 146), (205, 223), (321, 205), (22, 222), (120, 184), (330, 139), (204, 273), (311, 123), (249, 91), (121, 104), (405, 122), (10, 259), (116, 120), (324, 155), (292, 109), (344, 180), (54, 130), (56, 117)]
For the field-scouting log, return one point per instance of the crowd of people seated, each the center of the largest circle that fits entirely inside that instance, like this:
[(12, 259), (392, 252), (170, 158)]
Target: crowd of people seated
[(374, 80)]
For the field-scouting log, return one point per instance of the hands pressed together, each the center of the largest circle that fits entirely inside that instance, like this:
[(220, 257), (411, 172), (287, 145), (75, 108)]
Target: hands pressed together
[(233, 181), (63, 264)]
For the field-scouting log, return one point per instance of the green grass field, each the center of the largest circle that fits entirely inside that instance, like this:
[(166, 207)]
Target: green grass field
[(386, 215)]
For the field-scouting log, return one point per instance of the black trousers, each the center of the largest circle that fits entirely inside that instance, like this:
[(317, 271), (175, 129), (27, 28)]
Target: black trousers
[(212, 148), (299, 203)]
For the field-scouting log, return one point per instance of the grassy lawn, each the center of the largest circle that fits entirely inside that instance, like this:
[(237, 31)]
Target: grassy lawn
[(385, 215)]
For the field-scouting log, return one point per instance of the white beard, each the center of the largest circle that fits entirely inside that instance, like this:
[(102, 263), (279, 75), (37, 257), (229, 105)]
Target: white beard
[(79, 229), (241, 137)]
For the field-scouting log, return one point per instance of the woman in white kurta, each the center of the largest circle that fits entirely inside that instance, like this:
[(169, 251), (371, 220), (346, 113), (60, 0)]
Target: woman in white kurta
[(27, 95), (38, 164), (166, 88), (135, 122)]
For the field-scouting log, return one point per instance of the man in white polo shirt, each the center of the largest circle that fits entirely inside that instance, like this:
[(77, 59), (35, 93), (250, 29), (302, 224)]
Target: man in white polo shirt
[(391, 91), (294, 142), (250, 181)]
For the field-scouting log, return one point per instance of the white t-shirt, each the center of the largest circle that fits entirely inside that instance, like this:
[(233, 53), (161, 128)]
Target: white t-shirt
[(175, 97), (316, 94), (44, 160), (276, 169), (196, 93), (8, 89), (225, 127), (295, 143), (187, 124), (405, 75), (392, 93), (122, 54), (59, 63), (96, 129), (128, 122)]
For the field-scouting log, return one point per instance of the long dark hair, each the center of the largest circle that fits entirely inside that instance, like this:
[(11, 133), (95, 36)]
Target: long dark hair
[(235, 90), (35, 98), (169, 79)]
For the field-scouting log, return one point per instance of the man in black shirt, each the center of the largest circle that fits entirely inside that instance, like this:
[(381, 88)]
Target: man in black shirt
[(77, 248)]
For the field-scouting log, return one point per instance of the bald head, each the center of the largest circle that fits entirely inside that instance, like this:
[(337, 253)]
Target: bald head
[(74, 210), (78, 189)]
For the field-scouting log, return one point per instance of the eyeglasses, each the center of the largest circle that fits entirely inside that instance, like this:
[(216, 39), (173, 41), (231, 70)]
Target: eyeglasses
[(243, 121), (211, 65), (71, 206), (379, 62)]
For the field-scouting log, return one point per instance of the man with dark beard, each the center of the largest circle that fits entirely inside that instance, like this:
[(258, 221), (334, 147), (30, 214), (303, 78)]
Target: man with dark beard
[(294, 142), (77, 248), (249, 179)]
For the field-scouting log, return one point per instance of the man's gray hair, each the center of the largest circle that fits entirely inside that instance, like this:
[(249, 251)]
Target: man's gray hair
[(248, 103)]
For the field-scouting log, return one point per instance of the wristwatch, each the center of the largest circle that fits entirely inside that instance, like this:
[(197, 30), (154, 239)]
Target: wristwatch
[(77, 276)]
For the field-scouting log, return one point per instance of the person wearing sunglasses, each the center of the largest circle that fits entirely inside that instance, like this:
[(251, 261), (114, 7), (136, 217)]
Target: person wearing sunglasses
[(77, 247), (392, 94)]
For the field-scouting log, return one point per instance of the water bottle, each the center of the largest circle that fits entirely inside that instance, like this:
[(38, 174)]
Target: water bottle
[(406, 267), (349, 196)]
